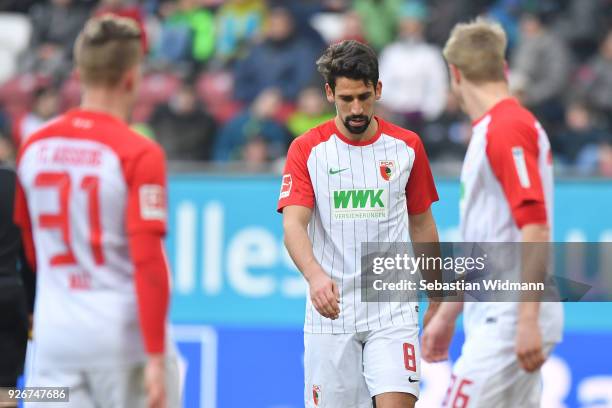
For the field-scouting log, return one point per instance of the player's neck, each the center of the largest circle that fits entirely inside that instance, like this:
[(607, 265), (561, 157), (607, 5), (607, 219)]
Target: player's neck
[(369, 133), (101, 100), (479, 99)]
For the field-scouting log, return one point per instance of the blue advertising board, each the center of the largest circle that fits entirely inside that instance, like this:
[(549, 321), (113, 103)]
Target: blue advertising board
[(262, 368), (238, 301)]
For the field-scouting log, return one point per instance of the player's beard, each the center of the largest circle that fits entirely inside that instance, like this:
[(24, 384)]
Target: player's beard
[(357, 130)]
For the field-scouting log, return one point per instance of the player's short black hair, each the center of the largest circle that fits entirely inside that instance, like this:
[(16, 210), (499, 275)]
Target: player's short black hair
[(349, 59)]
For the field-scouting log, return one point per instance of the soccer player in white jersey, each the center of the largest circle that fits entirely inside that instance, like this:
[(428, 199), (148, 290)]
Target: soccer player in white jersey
[(91, 203), (354, 179), (507, 185)]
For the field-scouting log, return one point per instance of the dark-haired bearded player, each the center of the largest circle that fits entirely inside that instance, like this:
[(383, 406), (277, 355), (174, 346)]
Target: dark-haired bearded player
[(355, 179)]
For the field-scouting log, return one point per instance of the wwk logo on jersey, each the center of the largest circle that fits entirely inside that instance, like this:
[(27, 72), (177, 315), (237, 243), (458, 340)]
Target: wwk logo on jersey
[(387, 169), (359, 204), (285, 186)]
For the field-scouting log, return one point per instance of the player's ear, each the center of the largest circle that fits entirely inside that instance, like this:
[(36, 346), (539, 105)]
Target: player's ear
[(378, 90), (131, 79), (455, 73), (329, 93)]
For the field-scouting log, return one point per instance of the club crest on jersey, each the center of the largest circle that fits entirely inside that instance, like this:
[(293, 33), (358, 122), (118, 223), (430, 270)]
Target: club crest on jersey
[(387, 169), (286, 186), (316, 394)]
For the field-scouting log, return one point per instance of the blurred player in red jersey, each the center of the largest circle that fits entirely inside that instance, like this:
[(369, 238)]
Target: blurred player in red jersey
[(91, 201), (507, 185)]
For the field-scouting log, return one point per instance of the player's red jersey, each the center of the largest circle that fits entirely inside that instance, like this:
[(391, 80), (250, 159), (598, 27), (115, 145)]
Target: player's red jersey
[(360, 192), (507, 182), (87, 186)]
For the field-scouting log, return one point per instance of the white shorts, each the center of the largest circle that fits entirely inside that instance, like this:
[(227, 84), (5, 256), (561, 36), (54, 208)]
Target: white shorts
[(488, 375), (347, 370), (118, 387)]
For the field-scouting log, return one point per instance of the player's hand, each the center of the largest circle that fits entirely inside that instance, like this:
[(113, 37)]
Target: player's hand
[(529, 345), (436, 338), (155, 382), (324, 295)]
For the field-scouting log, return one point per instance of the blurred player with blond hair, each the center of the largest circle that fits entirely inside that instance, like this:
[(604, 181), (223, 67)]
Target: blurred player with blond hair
[(91, 198), (507, 185)]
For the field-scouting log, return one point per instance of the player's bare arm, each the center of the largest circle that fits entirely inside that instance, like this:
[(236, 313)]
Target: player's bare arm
[(422, 229), (528, 336), (323, 290), (154, 378), (439, 332)]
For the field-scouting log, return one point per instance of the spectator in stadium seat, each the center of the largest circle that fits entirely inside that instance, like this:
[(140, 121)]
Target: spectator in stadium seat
[(239, 22), (416, 69), (187, 33), (255, 153), (5, 126), (507, 13), (380, 18), (183, 128), (541, 65), (7, 152), (579, 25), (120, 8), (303, 11), (579, 143), (55, 26), (283, 60), (445, 14), (595, 81), (312, 110), (17, 6), (446, 138), (605, 160), (254, 123), (353, 27), (45, 107)]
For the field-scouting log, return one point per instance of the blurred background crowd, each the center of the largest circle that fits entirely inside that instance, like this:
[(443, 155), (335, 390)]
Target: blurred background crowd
[(233, 82)]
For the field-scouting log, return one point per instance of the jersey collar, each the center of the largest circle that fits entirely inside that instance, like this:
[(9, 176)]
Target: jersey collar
[(370, 141), (503, 102), (95, 115)]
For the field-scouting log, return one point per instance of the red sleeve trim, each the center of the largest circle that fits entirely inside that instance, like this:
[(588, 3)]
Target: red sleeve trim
[(533, 212), (421, 190), (296, 185), (151, 278), (512, 150)]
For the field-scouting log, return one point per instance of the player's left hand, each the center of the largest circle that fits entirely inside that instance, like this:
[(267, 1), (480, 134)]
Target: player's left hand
[(529, 345), (436, 339)]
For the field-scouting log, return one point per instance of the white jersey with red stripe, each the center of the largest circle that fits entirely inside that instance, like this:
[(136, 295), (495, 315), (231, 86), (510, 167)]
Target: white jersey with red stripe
[(87, 182), (359, 192), (508, 164)]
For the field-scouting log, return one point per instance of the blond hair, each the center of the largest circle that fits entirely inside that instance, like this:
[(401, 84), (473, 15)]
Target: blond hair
[(477, 49), (107, 47)]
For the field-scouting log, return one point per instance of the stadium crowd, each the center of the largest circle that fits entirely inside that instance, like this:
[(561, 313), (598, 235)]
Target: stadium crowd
[(235, 80)]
